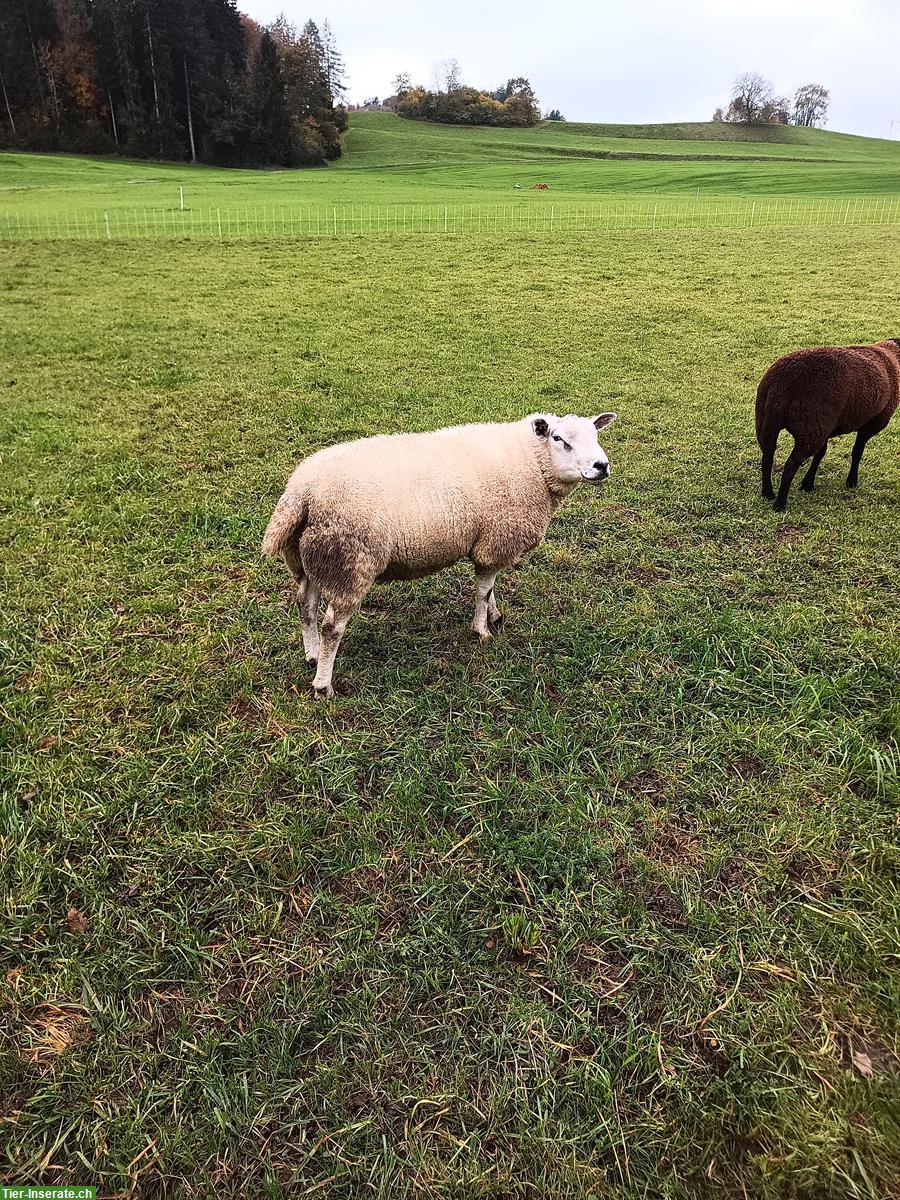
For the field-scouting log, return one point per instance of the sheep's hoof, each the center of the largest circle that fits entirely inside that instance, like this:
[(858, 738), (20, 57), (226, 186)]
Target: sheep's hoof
[(852, 483), (807, 487), (323, 693), (780, 506), (482, 635), (768, 493)]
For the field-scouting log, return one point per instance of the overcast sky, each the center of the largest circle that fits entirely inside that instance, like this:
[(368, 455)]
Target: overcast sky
[(626, 60)]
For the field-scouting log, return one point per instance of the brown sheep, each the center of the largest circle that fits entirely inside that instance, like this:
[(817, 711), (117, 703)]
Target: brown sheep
[(820, 394)]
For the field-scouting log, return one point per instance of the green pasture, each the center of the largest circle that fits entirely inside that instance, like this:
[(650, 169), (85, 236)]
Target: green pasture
[(605, 908), (394, 161)]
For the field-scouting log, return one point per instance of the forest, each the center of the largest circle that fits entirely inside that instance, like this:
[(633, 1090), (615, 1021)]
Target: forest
[(171, 79)]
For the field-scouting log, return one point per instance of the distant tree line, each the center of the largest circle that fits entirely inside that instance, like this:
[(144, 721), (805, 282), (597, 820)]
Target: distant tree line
[(177, 79), (454, 103), (753, 101)]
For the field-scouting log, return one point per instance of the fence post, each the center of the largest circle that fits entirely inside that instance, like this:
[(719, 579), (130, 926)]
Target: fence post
[(334, 213), (752, 212), (106, 219), (181, 197)]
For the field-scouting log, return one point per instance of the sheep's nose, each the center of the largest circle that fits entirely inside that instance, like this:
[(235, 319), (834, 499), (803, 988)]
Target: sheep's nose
[(603, 469)]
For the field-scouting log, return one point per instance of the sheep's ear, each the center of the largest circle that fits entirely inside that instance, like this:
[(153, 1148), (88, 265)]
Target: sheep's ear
[(540, 427), (603, 420)]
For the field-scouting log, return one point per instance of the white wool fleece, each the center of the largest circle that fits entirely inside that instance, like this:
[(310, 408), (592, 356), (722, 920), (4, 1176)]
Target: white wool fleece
[(405, 505)]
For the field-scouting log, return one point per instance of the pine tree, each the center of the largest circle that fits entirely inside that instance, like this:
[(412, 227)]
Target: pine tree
[(118, 69), (333, 62), (312, 35), (25, 27), (271, 133)]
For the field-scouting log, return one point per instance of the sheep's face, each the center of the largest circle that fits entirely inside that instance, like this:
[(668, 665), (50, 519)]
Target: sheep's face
[(572, 447)]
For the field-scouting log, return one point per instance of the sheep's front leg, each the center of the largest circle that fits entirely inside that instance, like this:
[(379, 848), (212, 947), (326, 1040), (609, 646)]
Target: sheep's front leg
[(336, 619), (863, 437), (809, 479), (309, 612), (486, 610)]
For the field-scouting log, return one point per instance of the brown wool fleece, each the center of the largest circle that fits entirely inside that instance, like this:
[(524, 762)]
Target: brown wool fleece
[(828, 391), (820, 394)]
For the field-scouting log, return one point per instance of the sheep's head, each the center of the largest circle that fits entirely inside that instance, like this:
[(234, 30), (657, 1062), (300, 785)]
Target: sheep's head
[(574, 454)]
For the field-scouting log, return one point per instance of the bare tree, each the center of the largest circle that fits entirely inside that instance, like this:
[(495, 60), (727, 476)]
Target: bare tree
[(811, 104), (6, 101), (449, 75), (402, 83), (190, 115), (750, 96)]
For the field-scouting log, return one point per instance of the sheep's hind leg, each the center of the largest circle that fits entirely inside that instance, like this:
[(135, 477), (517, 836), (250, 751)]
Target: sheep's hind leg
[(809, 479), (309, 613), (308, 600), (336, 619), (795, 461), (768, 460), (486, 610), (495, 616)]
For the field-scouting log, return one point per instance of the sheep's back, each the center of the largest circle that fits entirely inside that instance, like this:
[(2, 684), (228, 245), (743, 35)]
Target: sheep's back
[(413, 503), (830, 390)]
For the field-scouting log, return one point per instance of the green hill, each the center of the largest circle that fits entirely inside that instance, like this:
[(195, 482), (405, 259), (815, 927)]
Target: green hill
[(578, 159), (389, 160), (388, 140)]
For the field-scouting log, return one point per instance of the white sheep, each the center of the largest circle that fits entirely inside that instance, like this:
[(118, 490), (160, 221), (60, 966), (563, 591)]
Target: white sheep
[(407, 505)]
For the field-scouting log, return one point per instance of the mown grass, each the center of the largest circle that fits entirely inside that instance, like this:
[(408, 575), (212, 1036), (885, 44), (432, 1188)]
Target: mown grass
[(605, 908), (393, 161)]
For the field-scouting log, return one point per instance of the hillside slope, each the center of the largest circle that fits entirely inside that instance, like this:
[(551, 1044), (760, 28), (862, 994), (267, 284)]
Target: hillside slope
[(381, 139), (391, 161)]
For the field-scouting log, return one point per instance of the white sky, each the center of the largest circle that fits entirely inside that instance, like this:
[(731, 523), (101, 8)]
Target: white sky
[(626, 61)]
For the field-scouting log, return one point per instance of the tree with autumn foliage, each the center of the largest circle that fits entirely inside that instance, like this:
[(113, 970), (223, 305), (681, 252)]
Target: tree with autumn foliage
[(457, 104)]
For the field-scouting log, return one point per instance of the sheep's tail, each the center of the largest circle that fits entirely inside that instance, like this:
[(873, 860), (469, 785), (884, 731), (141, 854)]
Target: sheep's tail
[(768, 416), (287, 521)]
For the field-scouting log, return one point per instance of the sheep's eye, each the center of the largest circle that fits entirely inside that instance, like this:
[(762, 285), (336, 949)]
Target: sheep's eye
[(565, 445)]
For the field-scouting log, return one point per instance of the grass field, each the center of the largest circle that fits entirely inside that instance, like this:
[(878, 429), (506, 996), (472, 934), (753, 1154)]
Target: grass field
[(606, 908), (392, 161)]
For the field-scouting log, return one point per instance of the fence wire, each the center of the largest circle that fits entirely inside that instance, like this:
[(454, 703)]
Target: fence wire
[(303, 221)]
